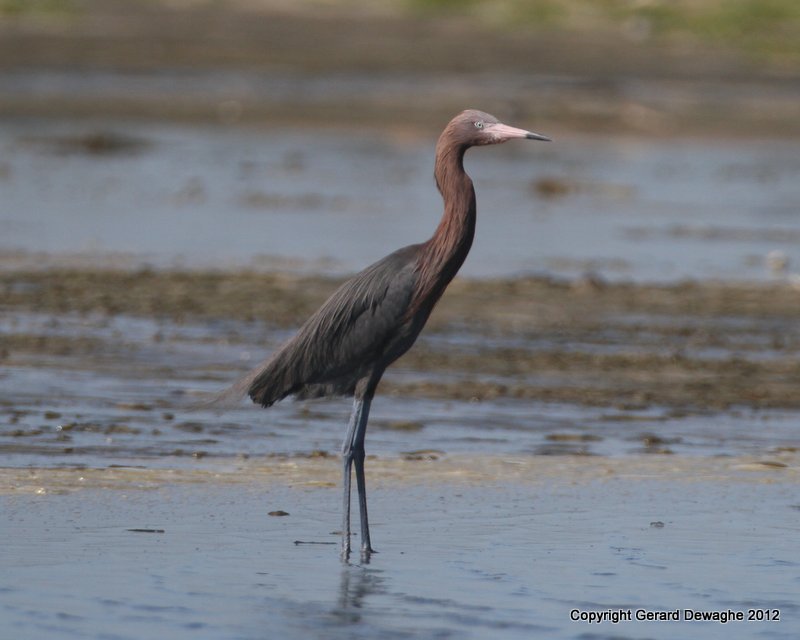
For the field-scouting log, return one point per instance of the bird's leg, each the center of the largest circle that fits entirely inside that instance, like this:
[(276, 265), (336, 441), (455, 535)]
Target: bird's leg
[(346, 509), (359, 455), (353, 451), (347, 461), (366, 548)]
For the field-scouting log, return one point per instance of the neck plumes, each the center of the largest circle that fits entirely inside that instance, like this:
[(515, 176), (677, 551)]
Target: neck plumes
[(442, 255)]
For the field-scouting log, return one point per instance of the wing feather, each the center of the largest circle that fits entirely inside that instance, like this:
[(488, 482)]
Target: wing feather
[(364, 324)]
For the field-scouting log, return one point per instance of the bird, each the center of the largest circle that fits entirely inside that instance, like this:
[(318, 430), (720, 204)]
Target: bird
[(374, 317)]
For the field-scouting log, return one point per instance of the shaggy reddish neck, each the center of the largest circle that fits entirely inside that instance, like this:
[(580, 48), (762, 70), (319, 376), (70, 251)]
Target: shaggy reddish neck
[(442, 255), (453, 237)]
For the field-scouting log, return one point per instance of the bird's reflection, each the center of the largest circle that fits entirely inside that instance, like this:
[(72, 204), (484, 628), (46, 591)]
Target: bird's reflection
[(356, 584)]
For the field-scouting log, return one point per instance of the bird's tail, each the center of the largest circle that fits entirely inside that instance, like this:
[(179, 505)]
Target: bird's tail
[(227, 397), (264, 385)]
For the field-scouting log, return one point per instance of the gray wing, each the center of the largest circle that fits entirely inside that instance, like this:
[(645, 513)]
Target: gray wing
[(363, 325)]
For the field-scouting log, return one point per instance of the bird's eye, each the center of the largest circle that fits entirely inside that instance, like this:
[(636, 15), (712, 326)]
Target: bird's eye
[(479, 124)]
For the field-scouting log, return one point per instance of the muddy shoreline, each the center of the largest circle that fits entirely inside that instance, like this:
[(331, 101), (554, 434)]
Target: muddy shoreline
[(458, 470), (692, 347)]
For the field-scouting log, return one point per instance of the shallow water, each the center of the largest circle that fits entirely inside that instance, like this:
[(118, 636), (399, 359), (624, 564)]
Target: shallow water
[(455, 560), (333, 201)]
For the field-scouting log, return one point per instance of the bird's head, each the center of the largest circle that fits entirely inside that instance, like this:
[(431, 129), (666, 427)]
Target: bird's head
[(474, 128)]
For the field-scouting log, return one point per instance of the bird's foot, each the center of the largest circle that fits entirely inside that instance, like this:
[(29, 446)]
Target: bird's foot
[(344, 553), (366, 553)]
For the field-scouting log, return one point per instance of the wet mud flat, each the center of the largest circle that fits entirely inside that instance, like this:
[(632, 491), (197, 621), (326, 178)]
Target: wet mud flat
[(690, 346)]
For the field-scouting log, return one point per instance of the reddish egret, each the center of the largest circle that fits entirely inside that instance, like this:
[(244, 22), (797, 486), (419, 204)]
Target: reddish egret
[(374, 318)]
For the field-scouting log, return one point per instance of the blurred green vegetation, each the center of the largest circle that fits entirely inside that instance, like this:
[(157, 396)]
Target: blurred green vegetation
[(768, 28), (37, 7)]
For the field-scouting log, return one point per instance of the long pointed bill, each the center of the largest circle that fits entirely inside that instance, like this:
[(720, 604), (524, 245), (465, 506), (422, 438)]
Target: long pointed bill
[(503, 132), (537, 136)]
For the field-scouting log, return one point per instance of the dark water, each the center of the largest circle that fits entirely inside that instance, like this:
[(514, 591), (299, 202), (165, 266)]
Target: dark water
[(324, 200)]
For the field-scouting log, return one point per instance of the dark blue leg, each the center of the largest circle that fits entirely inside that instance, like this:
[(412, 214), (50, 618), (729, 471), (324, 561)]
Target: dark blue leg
[(353, 452)]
